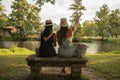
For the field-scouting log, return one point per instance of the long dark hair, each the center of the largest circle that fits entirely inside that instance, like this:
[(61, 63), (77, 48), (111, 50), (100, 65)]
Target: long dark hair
[(47, 31), (62, 34)]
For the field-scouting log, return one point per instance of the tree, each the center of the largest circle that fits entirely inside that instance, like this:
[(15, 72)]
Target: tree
[(115, 23), (25, 16), (102, 21), (77, 8), (78, 34), (89, 28), (1, 7), (33, 19), (41, 2), (3, 17)]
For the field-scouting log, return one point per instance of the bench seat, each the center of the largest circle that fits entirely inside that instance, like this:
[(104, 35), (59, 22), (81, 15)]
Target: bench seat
[(74, 63)]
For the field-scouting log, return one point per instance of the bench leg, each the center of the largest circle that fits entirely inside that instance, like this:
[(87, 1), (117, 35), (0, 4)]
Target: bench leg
[(35, 72), (76, 72)]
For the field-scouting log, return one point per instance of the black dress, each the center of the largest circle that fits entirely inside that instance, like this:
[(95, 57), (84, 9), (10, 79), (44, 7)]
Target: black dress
[(46, 48)]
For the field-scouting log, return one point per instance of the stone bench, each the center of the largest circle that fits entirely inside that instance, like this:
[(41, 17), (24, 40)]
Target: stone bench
[(74, 63)]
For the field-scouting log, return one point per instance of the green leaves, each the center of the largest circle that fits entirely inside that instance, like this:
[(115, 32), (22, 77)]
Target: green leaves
[(77, 8), (41, 2), (102, 20), (3, 17), (108, 22), (89, 28), (26, 16)]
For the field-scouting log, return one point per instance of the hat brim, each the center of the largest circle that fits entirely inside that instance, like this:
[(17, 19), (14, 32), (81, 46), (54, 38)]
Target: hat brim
[(49, 25), (64, 25)]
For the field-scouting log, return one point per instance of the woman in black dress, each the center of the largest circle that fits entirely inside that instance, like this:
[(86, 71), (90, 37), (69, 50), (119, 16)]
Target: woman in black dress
[(48, 41)]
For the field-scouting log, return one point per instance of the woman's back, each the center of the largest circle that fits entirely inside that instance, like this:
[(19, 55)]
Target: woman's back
[(67, 36), (64, 38), (46, 47), (47, 43)]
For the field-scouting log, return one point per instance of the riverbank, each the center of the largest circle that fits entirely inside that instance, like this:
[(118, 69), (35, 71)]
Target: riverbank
[(14, 67)]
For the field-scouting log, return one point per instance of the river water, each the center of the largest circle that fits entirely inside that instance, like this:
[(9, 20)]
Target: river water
[(94, 47)]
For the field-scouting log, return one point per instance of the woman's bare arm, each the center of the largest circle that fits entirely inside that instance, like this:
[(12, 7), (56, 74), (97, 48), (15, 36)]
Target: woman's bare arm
[(55, 39), (75, 26)]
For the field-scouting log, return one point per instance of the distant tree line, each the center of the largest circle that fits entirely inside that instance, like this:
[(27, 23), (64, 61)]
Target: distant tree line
[(25, 17), (106, 24)]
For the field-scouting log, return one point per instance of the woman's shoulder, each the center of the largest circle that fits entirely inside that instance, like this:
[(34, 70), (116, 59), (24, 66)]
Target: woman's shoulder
[(69, 33), (69, 30)]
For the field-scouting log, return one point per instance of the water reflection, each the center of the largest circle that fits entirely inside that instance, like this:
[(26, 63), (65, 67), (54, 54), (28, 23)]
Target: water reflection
[(7, 44), (94, 47)]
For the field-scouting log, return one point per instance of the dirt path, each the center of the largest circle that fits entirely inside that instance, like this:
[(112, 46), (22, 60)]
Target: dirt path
[(89, 74), (92, 75)]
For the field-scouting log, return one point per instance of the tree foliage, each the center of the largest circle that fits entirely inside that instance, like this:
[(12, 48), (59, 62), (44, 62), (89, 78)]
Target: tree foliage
[(78, 34), (77, 8), (41, 2), (3, 16), (25, 16), (108, 22), (89, 28), (1, 7), (102, 20), (115, 23)]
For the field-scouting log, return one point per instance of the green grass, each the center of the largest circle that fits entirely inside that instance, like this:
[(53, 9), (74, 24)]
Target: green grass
[(12, 63), (107, 64), (114, 40)]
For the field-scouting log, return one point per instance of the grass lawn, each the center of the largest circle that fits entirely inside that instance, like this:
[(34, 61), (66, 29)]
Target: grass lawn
[(13, 65), (107, 64)]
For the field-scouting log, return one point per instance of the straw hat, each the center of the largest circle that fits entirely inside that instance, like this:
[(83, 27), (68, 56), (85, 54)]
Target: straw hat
[(48, 23), (63, 22)]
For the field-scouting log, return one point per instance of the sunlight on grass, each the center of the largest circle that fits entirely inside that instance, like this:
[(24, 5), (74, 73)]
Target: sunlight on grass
[(16, 51), (108, 64), (13, 63)]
